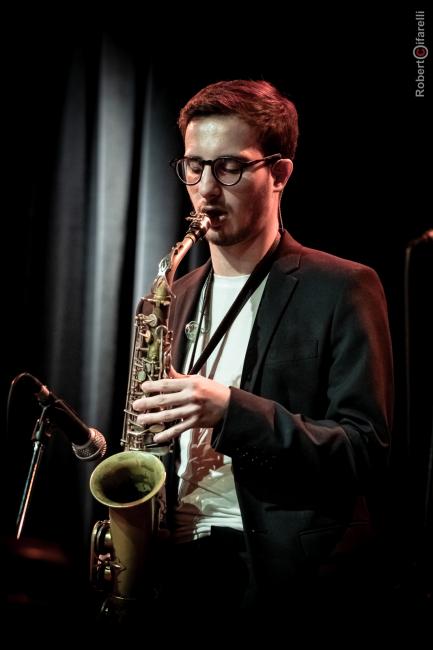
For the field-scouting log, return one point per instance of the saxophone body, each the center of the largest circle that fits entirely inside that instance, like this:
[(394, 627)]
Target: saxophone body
[(131, 483)]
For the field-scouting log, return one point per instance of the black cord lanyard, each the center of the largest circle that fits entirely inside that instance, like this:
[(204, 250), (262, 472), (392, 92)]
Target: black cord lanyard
[(259, 272)]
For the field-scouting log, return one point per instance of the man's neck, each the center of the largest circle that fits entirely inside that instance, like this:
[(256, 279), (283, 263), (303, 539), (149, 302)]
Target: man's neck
[(240, 259)]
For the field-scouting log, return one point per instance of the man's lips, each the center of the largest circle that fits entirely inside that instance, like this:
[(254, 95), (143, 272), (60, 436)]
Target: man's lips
[(216, 215)]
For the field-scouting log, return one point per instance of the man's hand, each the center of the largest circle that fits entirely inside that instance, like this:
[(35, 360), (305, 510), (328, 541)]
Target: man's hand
[(191, 401)]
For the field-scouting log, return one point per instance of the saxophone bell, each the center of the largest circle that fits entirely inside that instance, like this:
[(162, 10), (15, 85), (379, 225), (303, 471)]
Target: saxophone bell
[(131, 483)]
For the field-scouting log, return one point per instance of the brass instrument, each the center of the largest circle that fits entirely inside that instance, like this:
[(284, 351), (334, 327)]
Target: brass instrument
[(131, 482)]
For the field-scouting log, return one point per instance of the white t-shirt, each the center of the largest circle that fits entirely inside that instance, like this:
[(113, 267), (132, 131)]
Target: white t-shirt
[(207, 495)]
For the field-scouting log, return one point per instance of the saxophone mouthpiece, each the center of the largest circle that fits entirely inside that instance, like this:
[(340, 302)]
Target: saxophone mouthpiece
[(199, 224)]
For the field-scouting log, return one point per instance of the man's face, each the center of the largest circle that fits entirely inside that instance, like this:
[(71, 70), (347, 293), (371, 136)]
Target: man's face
[(243, 211)]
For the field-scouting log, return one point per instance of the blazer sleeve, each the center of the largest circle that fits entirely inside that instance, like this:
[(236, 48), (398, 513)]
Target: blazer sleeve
[(349, 442)]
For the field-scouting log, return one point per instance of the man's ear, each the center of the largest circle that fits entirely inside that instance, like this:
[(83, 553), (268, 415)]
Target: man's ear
[(281, 171)]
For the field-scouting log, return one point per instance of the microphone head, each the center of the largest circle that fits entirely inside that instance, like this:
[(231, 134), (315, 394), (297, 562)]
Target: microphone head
[(94, 449), (87, 443)]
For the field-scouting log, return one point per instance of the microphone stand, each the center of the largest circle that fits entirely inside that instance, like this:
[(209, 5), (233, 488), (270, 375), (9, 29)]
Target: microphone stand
[(40, 435)]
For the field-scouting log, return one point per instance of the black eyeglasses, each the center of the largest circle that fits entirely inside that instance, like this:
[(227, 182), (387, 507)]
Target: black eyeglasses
[(227, 170)]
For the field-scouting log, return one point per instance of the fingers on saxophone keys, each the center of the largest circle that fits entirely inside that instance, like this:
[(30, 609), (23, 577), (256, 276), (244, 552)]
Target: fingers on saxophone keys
[(164, 385), (156, 401), (155, 417), (174, 431)]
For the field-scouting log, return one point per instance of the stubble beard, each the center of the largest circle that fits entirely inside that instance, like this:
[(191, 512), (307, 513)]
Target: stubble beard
[(219, 238)]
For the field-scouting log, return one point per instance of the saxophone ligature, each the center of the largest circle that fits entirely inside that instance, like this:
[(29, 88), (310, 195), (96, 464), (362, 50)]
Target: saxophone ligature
[(131, 483)]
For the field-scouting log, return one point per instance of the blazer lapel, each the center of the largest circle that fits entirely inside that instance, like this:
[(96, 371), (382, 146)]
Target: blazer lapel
[(183, 308), (277, 293)]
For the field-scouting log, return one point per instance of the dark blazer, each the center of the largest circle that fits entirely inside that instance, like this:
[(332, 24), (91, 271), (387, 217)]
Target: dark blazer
[(308, 430)]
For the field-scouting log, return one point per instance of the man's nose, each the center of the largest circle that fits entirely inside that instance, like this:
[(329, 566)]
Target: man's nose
[(208, 185)]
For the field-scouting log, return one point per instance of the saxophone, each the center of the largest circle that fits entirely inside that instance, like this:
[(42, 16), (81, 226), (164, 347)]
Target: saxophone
[(131, 482)]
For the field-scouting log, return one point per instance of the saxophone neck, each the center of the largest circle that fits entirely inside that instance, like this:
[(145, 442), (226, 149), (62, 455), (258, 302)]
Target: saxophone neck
[(199, 224)]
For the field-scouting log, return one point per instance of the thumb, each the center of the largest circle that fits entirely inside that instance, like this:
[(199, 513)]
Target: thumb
[(176, 375)]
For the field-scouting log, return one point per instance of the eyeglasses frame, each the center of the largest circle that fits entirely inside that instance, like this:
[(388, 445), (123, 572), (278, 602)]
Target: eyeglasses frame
[(243, 164)]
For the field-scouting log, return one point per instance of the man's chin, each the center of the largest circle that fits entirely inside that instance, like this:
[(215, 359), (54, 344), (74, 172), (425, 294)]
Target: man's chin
[(220, 238)]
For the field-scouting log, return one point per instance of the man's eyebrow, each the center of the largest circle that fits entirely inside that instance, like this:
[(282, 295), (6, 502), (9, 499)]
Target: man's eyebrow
[(238, 156)]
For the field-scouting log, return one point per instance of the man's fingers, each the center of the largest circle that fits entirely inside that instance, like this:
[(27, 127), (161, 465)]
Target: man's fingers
[(174, 431), (176, 375), (166, 416), (162, 400), (164, 385)]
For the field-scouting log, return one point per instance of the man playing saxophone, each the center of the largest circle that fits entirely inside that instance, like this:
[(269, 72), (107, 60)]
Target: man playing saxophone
[(281, 436)]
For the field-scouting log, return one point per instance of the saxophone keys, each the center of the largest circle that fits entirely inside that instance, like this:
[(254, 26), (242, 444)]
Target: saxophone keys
[(156, 428), (191, 330)]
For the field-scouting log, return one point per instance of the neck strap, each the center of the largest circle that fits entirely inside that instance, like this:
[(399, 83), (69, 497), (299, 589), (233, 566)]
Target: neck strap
[(259, 272)]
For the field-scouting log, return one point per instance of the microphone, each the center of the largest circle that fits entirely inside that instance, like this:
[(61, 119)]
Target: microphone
[(87, 443)]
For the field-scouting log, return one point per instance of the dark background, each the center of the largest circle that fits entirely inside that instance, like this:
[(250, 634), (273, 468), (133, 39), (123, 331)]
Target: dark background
[(360, 190)]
